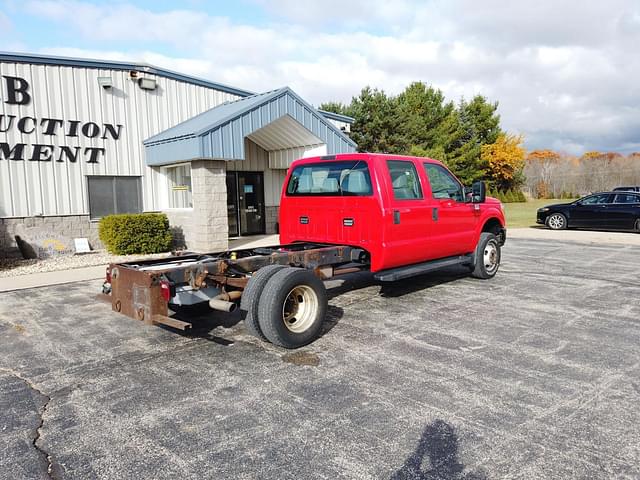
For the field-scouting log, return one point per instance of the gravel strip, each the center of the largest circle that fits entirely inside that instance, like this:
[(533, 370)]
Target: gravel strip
[(11, 267)]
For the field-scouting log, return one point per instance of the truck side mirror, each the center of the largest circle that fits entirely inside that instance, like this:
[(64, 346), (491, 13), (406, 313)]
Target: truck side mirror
[(478, 192)]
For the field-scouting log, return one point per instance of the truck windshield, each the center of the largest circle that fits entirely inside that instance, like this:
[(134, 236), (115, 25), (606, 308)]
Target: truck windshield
[(330, 179)]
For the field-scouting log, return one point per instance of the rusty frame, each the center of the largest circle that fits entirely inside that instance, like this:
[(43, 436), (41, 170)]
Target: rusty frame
[(137, 293)]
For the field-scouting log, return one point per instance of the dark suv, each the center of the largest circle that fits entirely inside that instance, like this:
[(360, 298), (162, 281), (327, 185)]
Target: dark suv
[(627, 189)]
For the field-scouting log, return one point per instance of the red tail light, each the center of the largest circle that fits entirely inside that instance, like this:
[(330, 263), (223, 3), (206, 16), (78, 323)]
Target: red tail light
[(165, 290)]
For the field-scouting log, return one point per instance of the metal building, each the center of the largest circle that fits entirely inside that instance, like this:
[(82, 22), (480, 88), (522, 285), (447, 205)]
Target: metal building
[(80, 139)]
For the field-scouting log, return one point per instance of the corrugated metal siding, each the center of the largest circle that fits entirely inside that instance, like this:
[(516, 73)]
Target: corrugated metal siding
[(281, 159), (72, 93), (258, 161), (224, 138), (283, 133), (227, 142)]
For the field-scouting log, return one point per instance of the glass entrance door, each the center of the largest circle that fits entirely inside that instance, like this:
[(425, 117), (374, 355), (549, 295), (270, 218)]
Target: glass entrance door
[(232, 204), (245, 203)]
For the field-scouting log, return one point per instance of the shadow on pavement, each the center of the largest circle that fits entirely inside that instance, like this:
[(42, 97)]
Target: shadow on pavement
[(205, 320), (436, 457)]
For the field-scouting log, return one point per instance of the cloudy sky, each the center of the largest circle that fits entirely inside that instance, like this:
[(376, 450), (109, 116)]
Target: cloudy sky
[(565, 73)]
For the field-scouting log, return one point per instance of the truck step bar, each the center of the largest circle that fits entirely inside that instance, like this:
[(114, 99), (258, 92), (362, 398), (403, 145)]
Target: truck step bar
[(393, 274)]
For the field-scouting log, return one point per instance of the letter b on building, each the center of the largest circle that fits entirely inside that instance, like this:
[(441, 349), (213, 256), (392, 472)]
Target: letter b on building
[(17, 91)]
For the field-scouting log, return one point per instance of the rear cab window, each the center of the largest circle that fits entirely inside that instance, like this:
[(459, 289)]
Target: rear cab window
[(330, 179), (404, 180)]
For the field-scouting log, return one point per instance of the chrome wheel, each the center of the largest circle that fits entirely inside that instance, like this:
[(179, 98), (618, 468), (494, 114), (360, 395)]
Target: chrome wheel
[(300, 309), (491, 257), (556, 222)]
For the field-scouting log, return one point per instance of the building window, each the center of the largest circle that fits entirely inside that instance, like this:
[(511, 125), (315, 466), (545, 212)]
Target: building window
[(108, 195), (180, 186)]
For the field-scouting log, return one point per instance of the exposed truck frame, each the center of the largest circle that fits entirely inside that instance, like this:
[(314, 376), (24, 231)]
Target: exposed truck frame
[(143, 290)]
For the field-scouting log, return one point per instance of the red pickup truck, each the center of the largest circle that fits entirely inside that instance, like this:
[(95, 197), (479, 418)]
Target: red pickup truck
[(394, 216)]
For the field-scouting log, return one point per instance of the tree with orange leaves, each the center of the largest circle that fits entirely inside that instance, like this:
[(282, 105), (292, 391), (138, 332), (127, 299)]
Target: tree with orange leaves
[(542, 164), (505, 159)]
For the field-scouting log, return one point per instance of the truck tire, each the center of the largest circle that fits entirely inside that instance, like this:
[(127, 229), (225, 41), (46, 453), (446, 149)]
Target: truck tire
[(251, 298), (292, 308), (486, 259)]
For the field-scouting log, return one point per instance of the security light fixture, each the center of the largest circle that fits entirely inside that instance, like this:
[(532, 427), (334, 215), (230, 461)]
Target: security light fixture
[(105, 82), (147, 83)]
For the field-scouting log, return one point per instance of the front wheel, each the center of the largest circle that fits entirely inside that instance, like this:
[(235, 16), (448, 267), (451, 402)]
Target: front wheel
[(486, 257), (292, 308), (557, 221)]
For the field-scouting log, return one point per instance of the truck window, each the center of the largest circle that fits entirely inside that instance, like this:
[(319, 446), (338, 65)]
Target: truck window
[(443, 184), (349, 178), (404, 178)]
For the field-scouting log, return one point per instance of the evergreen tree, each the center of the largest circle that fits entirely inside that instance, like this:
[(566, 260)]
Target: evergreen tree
[(377, 122), (336, 107), (421, 122)]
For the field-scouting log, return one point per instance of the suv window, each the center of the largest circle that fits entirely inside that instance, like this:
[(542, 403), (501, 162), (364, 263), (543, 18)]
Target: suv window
[(443, 184), (405, 181), (327, 179), (626, 198), (595, 199)]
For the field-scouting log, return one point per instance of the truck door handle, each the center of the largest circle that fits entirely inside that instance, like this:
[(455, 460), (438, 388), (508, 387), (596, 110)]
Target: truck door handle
[(434, 214), (396, 217)]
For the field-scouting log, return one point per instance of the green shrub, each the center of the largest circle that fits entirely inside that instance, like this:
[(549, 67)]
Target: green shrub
[(509, 196), (135, 233)]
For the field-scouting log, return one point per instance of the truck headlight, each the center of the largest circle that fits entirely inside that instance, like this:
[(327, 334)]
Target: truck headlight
[(543, 209)]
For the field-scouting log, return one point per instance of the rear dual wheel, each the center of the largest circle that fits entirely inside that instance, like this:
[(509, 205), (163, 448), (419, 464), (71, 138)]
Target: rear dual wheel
[(251, 298), (285, 306), (292, 308)]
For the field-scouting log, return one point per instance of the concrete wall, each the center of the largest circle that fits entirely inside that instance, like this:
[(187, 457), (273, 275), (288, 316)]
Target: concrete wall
[(209, 218), (181, 222), (272, 219), (47, 236)]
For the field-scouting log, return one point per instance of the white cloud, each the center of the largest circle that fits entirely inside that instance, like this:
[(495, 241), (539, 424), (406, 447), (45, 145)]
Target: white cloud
[(564, 73)]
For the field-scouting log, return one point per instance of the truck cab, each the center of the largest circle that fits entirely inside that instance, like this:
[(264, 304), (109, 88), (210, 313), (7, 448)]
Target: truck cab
[(401, 210)]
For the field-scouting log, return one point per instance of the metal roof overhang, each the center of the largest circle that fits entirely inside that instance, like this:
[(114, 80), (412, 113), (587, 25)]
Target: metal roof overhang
[(276, 120)]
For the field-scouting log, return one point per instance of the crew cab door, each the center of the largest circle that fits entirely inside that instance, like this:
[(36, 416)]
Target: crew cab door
[(454, 221), (407, 216)]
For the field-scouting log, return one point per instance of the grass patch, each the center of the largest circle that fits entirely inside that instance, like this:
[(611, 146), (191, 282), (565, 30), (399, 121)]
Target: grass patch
[(524, 214)]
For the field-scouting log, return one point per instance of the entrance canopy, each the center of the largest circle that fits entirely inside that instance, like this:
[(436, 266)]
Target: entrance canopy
[(279, 121)]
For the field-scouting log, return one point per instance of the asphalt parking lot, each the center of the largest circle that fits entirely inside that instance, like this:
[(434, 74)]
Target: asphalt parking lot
[(534, 374)]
